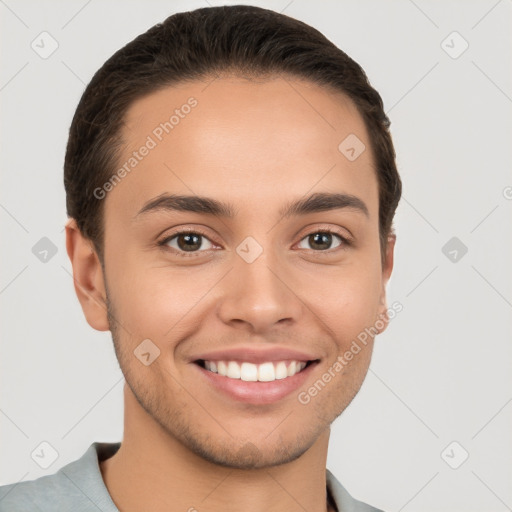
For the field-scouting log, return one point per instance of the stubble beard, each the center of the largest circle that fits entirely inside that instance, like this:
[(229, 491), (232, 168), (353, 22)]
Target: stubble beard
[(230, 452)]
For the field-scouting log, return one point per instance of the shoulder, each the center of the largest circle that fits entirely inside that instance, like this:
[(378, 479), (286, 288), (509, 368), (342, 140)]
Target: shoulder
[(37, 494), (344, 501), (77, 486)]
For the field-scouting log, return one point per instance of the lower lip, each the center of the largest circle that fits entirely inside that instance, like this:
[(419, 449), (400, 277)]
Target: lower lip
[(258, 393)]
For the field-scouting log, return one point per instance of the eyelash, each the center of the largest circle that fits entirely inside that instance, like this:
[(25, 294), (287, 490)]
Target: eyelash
[(345, 242)]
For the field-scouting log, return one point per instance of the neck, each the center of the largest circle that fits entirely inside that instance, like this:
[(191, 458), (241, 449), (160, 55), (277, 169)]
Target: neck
[(154, 471)]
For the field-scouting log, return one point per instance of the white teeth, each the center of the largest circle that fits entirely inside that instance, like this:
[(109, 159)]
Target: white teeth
[(233, 370), (281, 371), (221, 368), (250, 372), (266, 372)]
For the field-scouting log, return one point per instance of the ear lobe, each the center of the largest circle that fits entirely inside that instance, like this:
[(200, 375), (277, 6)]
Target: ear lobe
[(386, 274), (87, 277)]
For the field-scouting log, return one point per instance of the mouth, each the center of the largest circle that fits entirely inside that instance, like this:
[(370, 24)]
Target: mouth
[(249, 372), (262, 383)]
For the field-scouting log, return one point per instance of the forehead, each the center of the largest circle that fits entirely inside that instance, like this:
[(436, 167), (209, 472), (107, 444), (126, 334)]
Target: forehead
[(252, 141)]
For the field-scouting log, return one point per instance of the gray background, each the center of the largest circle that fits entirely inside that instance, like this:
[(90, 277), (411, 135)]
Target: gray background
[(439, 374)]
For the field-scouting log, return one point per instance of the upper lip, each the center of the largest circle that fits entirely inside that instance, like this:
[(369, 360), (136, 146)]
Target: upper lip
[(254, 355)]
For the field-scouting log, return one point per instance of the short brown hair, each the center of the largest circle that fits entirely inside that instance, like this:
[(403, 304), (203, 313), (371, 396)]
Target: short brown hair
[(192, 45)]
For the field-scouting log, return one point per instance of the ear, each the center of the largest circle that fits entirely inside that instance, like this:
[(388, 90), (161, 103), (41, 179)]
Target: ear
[(387, 268), (87, 276)]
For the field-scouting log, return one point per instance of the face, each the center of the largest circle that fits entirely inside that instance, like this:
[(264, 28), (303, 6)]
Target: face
[(255, 289)]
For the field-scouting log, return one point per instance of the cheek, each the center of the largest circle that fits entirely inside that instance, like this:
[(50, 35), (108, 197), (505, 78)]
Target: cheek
[(157, 302), (163, 302), (349, 301)]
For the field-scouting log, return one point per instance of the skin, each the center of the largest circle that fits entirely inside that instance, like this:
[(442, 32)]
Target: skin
[(257, 145)]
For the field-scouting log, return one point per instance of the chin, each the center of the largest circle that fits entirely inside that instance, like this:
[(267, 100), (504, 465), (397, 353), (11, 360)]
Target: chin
[(248, 455), (243, 454)]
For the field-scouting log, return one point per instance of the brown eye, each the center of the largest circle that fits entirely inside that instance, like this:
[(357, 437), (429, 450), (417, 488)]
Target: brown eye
[(322, 240), (187, 241)]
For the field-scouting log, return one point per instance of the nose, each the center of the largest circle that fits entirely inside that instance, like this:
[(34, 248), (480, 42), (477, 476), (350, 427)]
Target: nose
[(258, 296)]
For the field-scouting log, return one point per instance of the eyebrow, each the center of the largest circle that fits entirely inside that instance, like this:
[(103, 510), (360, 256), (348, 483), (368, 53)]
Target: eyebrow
[(318, 202)]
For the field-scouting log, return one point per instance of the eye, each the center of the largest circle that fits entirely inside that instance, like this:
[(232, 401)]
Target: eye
[(323, 240), (187, 241), (194, 241)]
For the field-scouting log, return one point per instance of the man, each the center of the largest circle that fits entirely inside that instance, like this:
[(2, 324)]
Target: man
[(231, 185)]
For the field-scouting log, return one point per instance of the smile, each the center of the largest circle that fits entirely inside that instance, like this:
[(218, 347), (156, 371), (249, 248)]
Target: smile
[(256, 383), (250, 372)]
